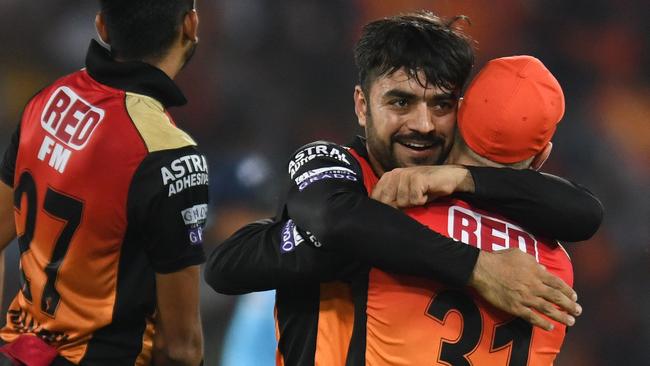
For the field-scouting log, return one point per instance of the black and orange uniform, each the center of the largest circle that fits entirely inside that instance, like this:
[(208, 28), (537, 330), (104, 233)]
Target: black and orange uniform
[(416, 321), (328, 233), (108, 192)]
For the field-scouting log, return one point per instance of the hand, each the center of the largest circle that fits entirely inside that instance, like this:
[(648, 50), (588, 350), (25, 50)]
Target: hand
[(415, 186), (512, 281)]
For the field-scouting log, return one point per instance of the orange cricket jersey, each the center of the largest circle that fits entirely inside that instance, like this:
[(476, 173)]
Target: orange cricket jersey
[(404, 320), (108, 192), (413, 321), (315, 321)]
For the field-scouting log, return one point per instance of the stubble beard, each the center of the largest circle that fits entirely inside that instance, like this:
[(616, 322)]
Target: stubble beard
[(384, 153), (378, 149), (189, 54)]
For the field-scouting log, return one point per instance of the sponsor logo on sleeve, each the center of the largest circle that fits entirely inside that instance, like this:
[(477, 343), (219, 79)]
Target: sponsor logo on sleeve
[(333, 172), (195, 218), (195, 215), (196, 235), (291, 238), (185, 172), (309, 153)]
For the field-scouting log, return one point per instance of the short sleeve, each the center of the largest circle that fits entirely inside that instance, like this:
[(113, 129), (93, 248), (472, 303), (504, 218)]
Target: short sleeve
[(8, 167), (168, 204)]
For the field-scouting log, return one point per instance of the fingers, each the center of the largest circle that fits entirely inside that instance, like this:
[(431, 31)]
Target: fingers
[(529, 293), (400, 188), (547, 308), (386, 190), (403, 190), (536, 319), (555, 293), (410, 191), (560, 285)]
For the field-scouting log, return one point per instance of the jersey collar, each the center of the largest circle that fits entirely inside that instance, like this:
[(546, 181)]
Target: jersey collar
[(134, 76), (359, 145)]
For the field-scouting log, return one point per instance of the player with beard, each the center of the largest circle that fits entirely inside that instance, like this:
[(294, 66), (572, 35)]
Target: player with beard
[(506, 119), (110, 200), (411, 70)]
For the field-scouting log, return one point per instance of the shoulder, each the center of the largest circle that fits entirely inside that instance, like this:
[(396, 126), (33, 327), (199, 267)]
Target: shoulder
[(154, 125), (321, 150), (173, 170)]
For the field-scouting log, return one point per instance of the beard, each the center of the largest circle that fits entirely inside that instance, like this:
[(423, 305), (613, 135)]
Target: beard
[(386, 156), (189, 54)]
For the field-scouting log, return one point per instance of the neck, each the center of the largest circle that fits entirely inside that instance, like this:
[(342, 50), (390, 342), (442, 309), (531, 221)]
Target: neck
[(172, 62), (170, 65), (456, 157), (460, 155)]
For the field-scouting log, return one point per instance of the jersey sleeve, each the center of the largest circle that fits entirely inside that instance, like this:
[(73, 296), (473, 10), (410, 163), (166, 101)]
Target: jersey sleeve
[(8, 167), (168, 205), (267, 255), (545, 204), (328, 200)]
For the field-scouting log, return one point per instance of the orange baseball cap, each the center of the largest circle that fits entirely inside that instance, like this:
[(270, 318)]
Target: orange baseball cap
[(511, 109)]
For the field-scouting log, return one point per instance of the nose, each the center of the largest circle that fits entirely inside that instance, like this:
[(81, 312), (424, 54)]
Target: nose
[(422, 120)]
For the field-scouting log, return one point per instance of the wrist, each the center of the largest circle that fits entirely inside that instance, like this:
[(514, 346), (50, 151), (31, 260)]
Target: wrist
[(465, 180), (477, 278)]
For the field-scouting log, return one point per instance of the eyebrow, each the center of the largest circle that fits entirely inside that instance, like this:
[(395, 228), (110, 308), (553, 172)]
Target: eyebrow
[(397, 93)]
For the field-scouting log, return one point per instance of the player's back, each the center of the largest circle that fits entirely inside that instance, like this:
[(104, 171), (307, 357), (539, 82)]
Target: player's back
[(87, 284), (413, 321)]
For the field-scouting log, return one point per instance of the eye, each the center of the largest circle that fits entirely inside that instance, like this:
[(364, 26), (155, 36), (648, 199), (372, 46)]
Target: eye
[(400, 102), (443, 107)]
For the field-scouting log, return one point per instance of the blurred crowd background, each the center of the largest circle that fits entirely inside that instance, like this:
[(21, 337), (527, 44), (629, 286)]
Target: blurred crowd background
[(271, 75)]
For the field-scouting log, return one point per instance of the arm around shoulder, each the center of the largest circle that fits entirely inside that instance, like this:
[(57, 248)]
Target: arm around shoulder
[(233, 268), (544, 203), (267, 255), (327, 199)]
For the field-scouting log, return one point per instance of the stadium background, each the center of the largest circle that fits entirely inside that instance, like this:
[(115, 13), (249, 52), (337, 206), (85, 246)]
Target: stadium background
[(271, 75)]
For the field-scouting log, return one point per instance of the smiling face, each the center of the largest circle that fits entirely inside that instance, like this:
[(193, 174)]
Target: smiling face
[(406, 123)]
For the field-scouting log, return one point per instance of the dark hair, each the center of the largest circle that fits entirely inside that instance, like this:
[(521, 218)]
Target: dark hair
[(141, 29), (419, 41)]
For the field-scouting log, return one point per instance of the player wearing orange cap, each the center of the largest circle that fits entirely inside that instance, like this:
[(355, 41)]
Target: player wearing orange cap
[(510, 113), (507, 118)]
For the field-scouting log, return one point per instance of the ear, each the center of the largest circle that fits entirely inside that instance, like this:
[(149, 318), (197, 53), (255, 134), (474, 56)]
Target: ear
[(540, 158), (102, 30), (191, 26), (360, 105)]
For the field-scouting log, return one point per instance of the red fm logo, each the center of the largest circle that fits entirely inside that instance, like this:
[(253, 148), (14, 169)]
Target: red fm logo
[(72, 121), (488, 233)]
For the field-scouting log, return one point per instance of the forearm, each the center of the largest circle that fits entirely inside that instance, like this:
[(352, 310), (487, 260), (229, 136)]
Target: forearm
[(178, 338), (381, 236), (266, 255), (543, 203), (327, 198)]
